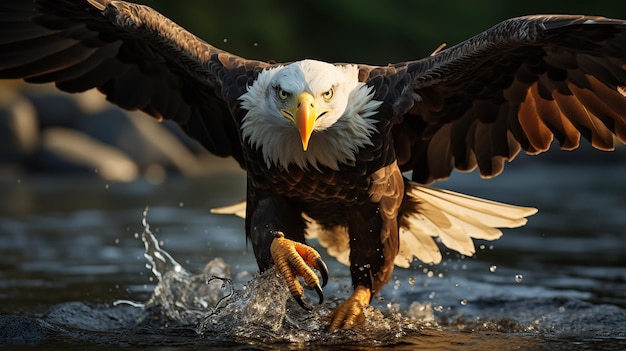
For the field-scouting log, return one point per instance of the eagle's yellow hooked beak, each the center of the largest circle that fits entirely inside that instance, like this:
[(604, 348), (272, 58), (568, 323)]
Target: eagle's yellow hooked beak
[(303, 115)]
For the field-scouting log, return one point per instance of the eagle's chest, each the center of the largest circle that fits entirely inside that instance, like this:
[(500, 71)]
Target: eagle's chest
[(325, 186)]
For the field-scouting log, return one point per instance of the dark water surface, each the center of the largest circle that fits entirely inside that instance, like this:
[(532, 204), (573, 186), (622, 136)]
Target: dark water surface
[(73, 273)]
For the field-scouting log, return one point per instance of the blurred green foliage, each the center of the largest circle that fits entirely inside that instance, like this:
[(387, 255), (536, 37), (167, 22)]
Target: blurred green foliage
[(366, 31)]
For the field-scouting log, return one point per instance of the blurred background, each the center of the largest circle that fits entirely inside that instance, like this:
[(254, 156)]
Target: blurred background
[(369, 31)]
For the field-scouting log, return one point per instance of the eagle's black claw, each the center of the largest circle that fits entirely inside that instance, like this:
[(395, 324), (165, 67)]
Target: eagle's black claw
[(320, 293), (321, 267), (303, 304)]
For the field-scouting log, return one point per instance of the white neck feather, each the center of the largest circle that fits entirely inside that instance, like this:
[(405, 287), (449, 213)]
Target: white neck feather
[(280, 141)]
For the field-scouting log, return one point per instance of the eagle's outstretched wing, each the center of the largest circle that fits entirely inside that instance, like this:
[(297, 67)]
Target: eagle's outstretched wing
[(516, 86), (138, 58)]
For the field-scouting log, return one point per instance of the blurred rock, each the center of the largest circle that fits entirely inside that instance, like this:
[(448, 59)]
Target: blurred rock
[(55, 109), (19, 130), (44, 130), (72, 149)]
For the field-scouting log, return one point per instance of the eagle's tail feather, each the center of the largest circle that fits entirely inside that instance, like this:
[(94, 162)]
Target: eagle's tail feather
[(454, 218), (238, 209)]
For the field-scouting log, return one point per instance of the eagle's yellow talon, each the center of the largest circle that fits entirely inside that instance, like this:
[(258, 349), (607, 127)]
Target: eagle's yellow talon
[(351, 312), (292, 259)]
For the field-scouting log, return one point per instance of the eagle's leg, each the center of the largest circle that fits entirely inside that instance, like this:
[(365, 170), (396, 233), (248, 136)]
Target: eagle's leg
[(371, 264), (276, 230), (374, 244)]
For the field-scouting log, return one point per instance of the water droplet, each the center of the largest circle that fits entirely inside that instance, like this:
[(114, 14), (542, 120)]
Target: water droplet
[(482, 247), (492, 268), (181, 204), (136, 235), (412, 280), (255, 44), (438, 308), (440, 275), (464, 302), (430, 274), (561, 309), (225, 40), (117, 241), (518, 278), (106, 186)]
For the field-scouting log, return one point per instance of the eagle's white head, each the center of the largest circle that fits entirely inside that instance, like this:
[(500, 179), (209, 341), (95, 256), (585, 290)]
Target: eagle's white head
[(308, 113)]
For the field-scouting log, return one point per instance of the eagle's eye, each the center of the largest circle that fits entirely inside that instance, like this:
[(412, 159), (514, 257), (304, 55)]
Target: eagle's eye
[(282, 95), (328, 94)]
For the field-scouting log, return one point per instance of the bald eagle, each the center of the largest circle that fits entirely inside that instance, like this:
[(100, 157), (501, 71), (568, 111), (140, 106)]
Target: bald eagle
[(344, 152)]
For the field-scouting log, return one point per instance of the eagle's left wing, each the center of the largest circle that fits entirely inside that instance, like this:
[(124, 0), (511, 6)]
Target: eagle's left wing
[(515, 86)]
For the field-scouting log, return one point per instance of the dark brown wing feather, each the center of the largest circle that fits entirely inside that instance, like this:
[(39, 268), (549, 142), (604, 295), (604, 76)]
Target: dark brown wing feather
[(138, 58), (515, 86)]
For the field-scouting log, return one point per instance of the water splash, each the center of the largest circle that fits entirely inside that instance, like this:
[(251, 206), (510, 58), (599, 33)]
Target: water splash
[(262, 310), (181, 297)]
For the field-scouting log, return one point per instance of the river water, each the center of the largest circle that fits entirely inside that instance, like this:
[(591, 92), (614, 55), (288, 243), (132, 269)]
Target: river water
[(81, 267)]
